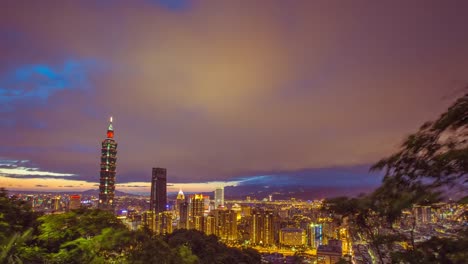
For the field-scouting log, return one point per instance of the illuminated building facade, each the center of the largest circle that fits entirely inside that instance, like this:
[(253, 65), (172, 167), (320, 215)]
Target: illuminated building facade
[(210, 225), (263, 228), (197, 208), (329, 230), (75, 202), (219, 197), (108, 166), (226, 224), (345, 241), (198, 223), (197, 205), (292, 237), (57, 204), (314, 235), (329, 254), (149, 220), (158, 200), (179, 201), (163, 223)]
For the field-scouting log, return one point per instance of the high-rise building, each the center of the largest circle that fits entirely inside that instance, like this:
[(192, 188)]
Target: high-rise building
[(158, 190), (263, 228), (226, 224), (75, 202), (314, 235), (206, 204), (219, 197), (183, 216), (329, 230), (210, 225), (56, 202), (179, 200), (238, 210), (163, 223), (197, 206), (198, 223), (149, 220), (108, 166), (246, 210), (329, 254)]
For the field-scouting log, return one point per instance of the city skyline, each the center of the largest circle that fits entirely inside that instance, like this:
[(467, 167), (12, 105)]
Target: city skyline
[(221, 94)]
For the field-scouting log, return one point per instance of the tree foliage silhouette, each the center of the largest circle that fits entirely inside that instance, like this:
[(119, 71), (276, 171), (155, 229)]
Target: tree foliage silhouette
[(429, 163)]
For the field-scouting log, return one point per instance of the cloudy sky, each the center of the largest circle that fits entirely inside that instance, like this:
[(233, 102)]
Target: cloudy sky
[(231, 92)]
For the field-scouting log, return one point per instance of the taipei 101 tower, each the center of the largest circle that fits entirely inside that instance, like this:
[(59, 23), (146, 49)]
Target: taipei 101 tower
[(108, 165)]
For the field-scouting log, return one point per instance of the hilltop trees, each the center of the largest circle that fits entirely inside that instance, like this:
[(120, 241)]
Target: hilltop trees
[(95, 236), (209, 249), (16, 216), (430, 162)]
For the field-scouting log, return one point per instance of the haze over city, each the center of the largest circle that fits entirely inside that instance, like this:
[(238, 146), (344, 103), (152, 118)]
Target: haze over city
[(221, 93)]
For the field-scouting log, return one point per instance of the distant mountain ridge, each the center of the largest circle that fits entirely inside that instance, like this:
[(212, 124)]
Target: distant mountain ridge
[(91, 192), (95, 192)]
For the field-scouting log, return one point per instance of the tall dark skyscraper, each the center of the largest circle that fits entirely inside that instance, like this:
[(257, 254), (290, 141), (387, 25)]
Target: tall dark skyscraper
[(108, 165), (184, 215), (158, 190)]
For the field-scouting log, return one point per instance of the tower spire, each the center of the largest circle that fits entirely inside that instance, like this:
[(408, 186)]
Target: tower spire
[(110, 129)]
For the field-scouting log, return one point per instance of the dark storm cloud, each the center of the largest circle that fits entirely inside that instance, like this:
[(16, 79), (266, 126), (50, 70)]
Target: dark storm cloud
[(217, 90)]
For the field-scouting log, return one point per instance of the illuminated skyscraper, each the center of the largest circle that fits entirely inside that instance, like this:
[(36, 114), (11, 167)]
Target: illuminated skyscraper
[(210, 225), (197, 205), (108, 165), (163, 223), (263, 228), (219, 197), (179, 201), (158, 190), (314, 235), (226, 224), (196, 211)]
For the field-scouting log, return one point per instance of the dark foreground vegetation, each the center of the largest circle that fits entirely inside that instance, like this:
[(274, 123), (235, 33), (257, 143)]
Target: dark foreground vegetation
[(94, 236), (431, 163)]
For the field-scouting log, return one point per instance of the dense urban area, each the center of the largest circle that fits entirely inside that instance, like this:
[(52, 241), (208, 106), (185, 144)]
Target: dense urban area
[(282, 231)]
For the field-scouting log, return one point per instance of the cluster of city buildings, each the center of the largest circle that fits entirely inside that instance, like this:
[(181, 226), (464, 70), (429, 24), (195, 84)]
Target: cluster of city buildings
[(275, 228)]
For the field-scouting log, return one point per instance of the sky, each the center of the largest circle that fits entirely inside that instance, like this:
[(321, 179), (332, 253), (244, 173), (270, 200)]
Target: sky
[(306, 93)]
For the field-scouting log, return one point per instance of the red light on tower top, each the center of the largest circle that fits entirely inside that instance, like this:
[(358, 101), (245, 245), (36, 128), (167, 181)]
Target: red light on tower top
[(110, 130)]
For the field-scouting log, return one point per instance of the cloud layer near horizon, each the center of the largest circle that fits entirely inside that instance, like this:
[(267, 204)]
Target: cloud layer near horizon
[(214, 90)]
